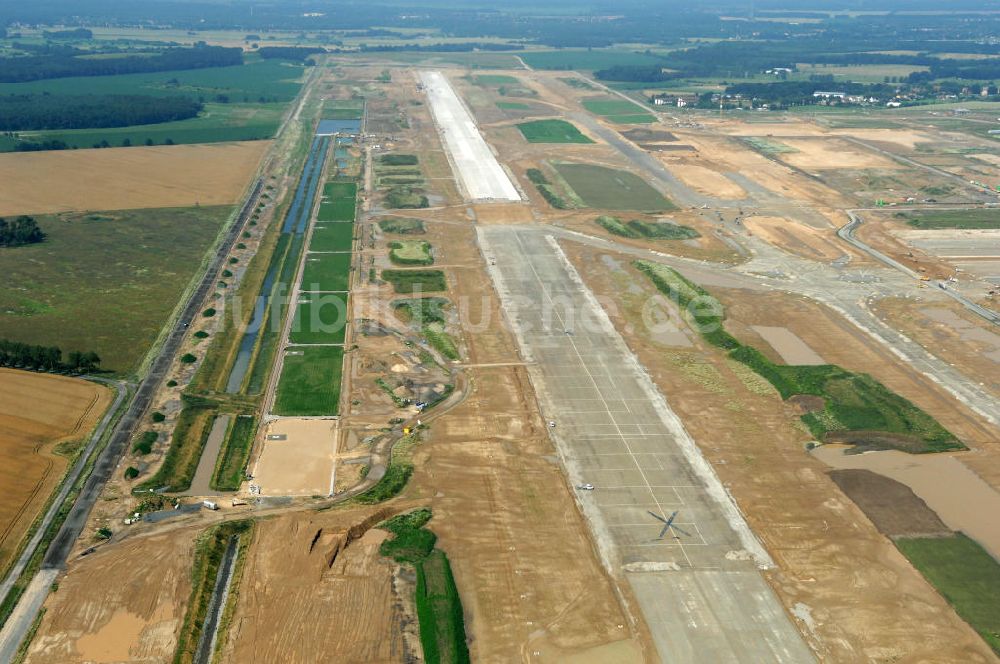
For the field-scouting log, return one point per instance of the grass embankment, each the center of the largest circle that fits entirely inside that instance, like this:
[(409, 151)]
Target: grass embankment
[(978, 219), (547, 189), (310, 381), (398, 160), (512, 106), (415, 281), (232, 462), (856, 408), (397, 474), (493, 80), (410, 252), (189, 437), (611, 189), (965, 575), (648, 230), (428, 314), (402, 226), (66, 292), (552, 131), (209, 551), (439, 607)]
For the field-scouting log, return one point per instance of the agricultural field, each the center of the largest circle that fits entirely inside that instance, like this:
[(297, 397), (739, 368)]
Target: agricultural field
[(338, 201), (552, 131), (618, 111), (66, 292), (327, 272), (127, 178), (966, 575), (335, 236), (320, 318), (232, 461), (216, 124), (44, 421), (611, 189), (310, 381), (586, 60)]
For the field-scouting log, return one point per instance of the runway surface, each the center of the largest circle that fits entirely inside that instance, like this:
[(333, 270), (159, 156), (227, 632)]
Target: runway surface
[(699, 588)]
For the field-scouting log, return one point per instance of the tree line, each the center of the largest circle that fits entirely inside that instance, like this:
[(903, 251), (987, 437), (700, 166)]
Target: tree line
[(48, 111), (61, 63), (20, 231), (19, 355)]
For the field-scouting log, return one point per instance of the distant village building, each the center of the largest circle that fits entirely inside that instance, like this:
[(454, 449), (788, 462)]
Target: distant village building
[(678, 100), (824, 94)]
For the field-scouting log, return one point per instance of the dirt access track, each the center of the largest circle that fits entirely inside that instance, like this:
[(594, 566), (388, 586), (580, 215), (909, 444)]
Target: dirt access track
[(37, 412), (127, 178)]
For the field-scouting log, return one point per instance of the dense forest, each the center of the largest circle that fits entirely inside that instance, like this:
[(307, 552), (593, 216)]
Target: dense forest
[(23, 230), (46, 358), (64, 62), (30, 112)]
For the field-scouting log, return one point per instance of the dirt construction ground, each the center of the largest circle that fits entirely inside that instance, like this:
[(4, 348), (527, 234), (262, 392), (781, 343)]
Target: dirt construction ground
[(127, 178), (123, 604), (38, 411)]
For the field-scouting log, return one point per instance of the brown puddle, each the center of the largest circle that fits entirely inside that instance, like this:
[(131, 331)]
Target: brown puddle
[(959, 497)]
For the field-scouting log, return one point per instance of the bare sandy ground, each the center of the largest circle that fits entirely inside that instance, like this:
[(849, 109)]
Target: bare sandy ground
[(127, 178), (302, 463), (903, 137), (122, 604), (789, 346), (797, 238), (37, 411), (829, 154), (704, 179)]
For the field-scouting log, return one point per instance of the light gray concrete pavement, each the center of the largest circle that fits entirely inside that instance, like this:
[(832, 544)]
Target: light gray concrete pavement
[(700, 589), (473, 162)]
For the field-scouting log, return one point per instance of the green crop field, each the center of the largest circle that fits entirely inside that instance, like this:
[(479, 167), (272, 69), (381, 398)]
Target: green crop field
[(320, 318), (966, 575), (327, 272), (338, 202), (334, 236), (586, 60), (494, 79), (415, 281), (257, 81), (855, 408), (512, 106), (981, 218), (67, 292), (218, 122), (410, 252), (618, 111), (310, 381), (610, 189), (552, 131)]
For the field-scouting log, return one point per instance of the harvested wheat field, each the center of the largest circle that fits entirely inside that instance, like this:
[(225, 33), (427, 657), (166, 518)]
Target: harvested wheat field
[(38, 411), (122, 604), (127, 178)]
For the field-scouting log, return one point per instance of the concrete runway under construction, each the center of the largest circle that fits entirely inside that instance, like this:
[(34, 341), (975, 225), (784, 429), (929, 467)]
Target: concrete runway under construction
[(699, 589)]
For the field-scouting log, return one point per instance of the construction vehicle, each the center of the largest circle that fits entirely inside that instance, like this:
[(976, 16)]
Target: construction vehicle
[(585, 487), (238, 502)]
